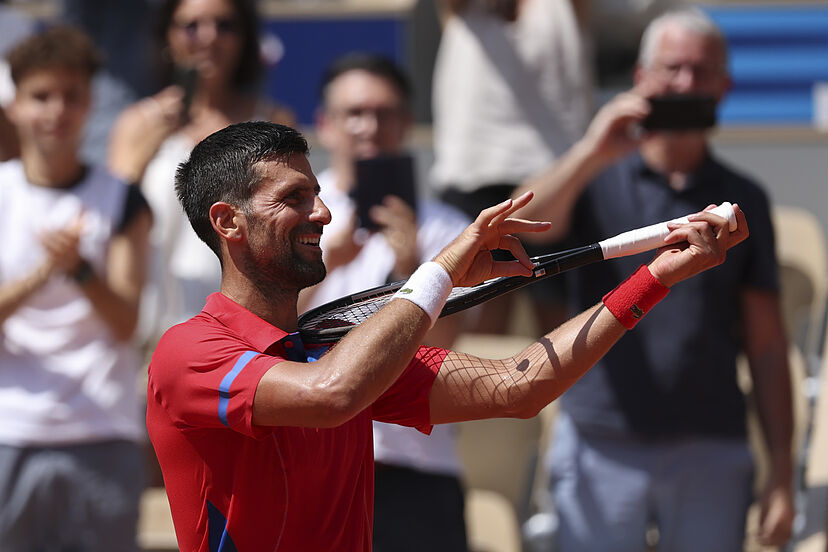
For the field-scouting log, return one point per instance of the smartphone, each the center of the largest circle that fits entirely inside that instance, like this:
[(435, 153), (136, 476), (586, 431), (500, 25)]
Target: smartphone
[(187, 78), (681, 112), (379, 177)]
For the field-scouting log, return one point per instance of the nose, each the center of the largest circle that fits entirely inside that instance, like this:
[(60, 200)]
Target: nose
[(56, 106), (684, 80), (320, 212), (365, 124)]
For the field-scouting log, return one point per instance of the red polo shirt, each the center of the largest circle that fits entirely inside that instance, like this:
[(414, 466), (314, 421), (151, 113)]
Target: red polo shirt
[(235, 486)]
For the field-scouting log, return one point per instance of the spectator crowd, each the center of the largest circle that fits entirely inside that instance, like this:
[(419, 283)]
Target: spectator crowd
[(101, 108)]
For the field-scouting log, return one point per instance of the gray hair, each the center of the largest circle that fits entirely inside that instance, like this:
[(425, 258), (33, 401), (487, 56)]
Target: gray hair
[(689, 19)]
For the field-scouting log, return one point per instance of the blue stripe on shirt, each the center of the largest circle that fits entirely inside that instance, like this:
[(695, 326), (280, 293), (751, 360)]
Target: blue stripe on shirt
[(227, 381)]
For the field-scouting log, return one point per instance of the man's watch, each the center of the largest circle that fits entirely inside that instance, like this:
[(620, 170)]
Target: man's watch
[(82, 273)]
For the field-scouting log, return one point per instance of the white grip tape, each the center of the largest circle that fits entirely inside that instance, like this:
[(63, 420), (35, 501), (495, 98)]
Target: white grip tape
[(652, 237), (428, 288)]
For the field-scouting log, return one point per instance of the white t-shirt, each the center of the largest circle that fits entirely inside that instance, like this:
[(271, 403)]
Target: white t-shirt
[(508, 98), (438, 224), (63, 377)]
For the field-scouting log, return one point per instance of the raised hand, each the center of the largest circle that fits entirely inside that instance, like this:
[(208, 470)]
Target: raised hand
[(398, 223), (468, 259), (696, 246)]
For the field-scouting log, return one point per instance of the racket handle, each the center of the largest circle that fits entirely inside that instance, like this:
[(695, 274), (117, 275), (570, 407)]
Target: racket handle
[(652, 237)]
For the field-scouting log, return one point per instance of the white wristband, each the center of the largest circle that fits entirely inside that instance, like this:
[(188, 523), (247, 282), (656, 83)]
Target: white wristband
[(428, 288)]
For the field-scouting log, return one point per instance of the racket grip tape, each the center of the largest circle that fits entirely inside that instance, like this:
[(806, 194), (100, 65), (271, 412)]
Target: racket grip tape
[(428, 288), (635, 296)]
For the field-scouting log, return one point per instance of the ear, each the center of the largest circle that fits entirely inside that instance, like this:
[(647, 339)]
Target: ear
[(228, 221)]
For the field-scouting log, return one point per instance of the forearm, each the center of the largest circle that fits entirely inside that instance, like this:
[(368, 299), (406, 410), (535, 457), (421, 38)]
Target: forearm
[(119, 311), (558, 188), (14, 294), (346, 380), (522, 385), (772, 391)]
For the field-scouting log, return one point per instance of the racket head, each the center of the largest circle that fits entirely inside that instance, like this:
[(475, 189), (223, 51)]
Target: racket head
[(330, 322)]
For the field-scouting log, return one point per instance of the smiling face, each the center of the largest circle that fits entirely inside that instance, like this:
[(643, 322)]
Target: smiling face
[(285, 217), (207, 35), (50, 108)]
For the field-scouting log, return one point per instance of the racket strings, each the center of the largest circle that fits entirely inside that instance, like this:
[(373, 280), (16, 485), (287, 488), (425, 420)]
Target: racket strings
[(359, 311)]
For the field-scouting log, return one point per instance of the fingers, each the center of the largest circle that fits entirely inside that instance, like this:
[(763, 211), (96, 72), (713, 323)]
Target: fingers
[(513, 246), (735, 237), (394, 212), (495, 215)]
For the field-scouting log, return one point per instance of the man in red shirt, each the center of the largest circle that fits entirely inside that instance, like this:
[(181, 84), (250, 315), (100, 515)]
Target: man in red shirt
[(266, 445)]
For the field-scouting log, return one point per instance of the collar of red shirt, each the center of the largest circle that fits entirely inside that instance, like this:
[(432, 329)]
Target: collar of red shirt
[(256, 331)]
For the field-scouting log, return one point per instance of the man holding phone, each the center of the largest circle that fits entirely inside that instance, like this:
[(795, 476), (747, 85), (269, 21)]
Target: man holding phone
[(379, 233), (655, 434)]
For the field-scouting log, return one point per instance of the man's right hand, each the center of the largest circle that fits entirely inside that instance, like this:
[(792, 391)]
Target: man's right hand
[(610, 135), (468, 259)]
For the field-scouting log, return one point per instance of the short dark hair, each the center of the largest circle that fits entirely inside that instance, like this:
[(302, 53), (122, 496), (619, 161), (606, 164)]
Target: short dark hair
[(375, 64), (221, 168), (56, 47), (249, 68)]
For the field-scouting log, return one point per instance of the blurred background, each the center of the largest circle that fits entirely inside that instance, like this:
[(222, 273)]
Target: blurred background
[(773, 126)]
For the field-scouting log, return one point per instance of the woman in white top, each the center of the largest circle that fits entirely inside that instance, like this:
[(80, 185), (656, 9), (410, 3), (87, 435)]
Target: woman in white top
[(210, 63)]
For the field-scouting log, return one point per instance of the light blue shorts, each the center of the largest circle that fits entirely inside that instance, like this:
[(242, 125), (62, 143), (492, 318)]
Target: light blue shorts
[(609, 491)]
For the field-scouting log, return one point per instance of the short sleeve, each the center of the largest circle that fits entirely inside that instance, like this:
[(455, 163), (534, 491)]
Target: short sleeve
[(761, 269), (406, 402), (208, 382)]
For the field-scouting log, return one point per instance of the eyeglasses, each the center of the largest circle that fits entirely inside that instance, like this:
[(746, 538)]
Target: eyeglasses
[(382, 115), (222, 25), (670, 71)]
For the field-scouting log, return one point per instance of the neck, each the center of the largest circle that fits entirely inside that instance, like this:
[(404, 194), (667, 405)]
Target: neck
[(277, 307), (52, 169), (674, 155), (215, 96)]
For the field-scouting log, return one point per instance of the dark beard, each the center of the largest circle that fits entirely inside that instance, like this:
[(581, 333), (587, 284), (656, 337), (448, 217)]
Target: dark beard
[(276, 275)]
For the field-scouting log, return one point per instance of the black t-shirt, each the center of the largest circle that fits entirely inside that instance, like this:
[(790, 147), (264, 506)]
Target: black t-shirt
[(674, 375)]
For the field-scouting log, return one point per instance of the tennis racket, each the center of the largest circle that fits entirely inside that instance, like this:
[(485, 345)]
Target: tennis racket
[(330, 322)]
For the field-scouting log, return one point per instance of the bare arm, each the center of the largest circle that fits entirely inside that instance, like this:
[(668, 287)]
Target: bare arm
[(557, 189), (520, 386), (116, 299), (767, 352), (140, 130), (351, 376)]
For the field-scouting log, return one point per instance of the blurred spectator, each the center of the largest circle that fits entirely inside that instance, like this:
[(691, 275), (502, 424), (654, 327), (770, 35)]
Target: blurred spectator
[(71, 272), (119, 30), (655, 433), (365, 114), (209, 62), (512, 90)]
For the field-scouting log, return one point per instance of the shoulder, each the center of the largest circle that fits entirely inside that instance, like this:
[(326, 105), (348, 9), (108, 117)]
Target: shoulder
[(201, 340)]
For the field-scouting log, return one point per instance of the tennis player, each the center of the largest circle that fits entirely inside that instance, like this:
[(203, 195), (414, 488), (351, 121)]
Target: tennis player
[(265, 444)]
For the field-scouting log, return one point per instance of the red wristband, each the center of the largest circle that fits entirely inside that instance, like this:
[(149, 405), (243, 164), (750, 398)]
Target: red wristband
[(635, 296)]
